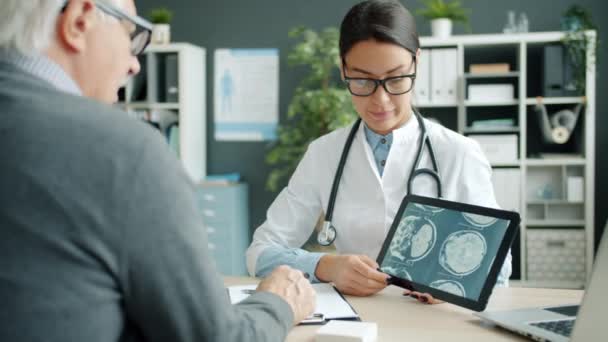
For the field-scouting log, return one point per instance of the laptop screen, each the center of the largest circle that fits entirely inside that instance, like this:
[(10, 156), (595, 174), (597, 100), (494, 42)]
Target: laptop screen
[(446, 249)]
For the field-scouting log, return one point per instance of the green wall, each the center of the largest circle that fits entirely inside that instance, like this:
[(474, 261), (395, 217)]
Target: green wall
[(265, 23)]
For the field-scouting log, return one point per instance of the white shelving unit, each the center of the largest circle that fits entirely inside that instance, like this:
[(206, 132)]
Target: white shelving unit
[(555, 214), (190, 104)]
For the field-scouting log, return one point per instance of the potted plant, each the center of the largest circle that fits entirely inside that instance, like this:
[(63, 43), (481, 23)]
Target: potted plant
[(442, 14), (161, 31), (575, 21), (319, 105)]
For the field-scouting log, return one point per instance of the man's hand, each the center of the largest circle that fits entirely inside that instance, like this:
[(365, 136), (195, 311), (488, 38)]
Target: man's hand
[(294, 288), (352, 274)]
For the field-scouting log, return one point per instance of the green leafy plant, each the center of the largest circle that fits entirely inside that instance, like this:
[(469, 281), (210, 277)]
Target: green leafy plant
[(575, 21), (319, 105), (437, 9), (160, 15)]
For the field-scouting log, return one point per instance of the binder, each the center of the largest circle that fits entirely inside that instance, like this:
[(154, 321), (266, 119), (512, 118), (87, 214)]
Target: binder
[(331, 304), (171, 86), (444, 76), (450, 72), (422, 87)]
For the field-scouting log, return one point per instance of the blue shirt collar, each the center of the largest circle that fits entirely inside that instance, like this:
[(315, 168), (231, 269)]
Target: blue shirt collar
[(374, 139), (42, 67)]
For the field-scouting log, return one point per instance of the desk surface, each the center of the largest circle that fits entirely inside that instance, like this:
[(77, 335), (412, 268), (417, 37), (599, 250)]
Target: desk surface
[(405, 319)]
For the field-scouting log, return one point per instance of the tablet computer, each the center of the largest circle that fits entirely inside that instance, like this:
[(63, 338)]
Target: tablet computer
[(453, 251)]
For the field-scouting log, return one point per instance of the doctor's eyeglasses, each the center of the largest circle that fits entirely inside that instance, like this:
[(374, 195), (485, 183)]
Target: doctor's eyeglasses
[(397, 85), (139, 29)]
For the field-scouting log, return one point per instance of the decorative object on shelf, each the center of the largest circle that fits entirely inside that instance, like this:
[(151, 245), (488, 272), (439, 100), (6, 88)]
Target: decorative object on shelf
[(161, 31), (442, 14), (319, 105), (575, 21), (513, 26), (558, 128), (510, 26), (545, 192)]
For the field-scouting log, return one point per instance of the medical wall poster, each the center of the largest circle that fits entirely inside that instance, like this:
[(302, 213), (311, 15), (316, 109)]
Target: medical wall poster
[(246, 94), (450, 250)]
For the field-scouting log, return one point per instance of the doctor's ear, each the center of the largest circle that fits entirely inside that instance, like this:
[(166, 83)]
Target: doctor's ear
[(418, 55), (342, 70)]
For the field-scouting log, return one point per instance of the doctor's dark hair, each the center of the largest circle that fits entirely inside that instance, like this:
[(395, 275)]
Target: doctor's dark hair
[(383, 20)]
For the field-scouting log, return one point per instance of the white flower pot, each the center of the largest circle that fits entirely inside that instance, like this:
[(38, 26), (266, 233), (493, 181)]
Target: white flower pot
[(161, 34), (441, 28)]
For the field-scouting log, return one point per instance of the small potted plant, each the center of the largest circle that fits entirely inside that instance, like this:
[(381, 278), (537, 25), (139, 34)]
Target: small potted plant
[(442, 14), (575, 22), (161, 31)]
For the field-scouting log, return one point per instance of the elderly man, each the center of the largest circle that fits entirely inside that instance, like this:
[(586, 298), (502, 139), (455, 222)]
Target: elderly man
[(100, 236)]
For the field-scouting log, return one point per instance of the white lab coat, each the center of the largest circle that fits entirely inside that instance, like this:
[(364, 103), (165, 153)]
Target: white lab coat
[(367, 203)]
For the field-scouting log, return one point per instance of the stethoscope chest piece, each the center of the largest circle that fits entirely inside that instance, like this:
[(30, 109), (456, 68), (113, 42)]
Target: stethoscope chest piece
[(327, 235)]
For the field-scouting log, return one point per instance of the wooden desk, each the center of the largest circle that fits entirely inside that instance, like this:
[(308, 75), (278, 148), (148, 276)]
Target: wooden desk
[(405, 319)]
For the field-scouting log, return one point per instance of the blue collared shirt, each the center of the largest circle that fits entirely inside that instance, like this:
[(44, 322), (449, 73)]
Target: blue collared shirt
[(380, 145)]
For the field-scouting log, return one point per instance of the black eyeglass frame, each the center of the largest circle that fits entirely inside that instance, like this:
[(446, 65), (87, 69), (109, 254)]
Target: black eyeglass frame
[(378, 82), (142, 26)]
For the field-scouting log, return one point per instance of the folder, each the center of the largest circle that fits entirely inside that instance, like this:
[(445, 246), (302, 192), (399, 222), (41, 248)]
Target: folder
[(422, 87), (444, 76), (330, 303)]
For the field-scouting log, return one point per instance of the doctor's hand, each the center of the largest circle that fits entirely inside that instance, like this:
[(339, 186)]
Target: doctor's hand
[(294, 288), (422, 297), (352, 274)]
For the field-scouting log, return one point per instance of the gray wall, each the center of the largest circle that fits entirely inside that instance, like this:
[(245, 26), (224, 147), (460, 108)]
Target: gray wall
[(265, 23)]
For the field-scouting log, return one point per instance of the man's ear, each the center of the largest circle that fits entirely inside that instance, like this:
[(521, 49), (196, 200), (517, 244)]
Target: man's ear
[(342, 66), (74, 24)]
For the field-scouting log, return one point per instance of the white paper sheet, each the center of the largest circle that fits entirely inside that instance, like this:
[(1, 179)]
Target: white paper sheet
[(329, 302)]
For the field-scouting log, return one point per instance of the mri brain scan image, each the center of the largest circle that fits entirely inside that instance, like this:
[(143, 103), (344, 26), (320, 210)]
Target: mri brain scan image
[(428, 208), (463, 252), (479, 220), (414, 238), (398, 272), (450, 286)]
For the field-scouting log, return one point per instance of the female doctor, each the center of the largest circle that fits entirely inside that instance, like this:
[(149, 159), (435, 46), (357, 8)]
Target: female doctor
[(380, 50)]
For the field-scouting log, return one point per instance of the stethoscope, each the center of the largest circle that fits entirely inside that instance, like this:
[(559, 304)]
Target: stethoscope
[(328, 232)]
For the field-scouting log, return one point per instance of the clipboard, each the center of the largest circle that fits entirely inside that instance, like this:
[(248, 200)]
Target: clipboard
[(330, 305)]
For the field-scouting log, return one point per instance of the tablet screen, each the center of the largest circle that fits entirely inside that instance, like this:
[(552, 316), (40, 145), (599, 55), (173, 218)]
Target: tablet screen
[(446, 249)]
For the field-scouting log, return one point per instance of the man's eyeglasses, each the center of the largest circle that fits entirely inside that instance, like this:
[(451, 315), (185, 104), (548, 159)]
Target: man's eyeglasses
[(140, 30), (396, 85)]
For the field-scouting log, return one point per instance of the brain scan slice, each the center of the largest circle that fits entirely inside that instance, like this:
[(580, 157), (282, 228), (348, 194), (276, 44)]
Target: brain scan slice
[(463, 252), (450, 286), (479, 220), (414, 238), (428, 208), (398, 272), (422, 241)]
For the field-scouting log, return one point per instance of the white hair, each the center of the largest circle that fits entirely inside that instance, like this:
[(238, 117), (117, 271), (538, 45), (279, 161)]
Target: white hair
[(28, 25)]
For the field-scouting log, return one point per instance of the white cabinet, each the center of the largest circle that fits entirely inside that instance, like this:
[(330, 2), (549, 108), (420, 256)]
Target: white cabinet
[(552, 186)]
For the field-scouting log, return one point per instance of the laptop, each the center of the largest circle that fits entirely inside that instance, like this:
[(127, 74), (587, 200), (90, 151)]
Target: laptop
[(567, 322)]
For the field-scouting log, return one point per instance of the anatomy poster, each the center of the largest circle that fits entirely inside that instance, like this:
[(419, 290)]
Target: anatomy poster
[(246, 94)]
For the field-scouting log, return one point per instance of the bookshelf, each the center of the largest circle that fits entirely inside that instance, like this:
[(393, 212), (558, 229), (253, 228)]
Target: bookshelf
[(169, 92), (542, 182)]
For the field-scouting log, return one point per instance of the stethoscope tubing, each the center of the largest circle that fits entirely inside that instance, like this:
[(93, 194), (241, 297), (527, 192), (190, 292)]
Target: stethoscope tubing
[(328, 233)]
